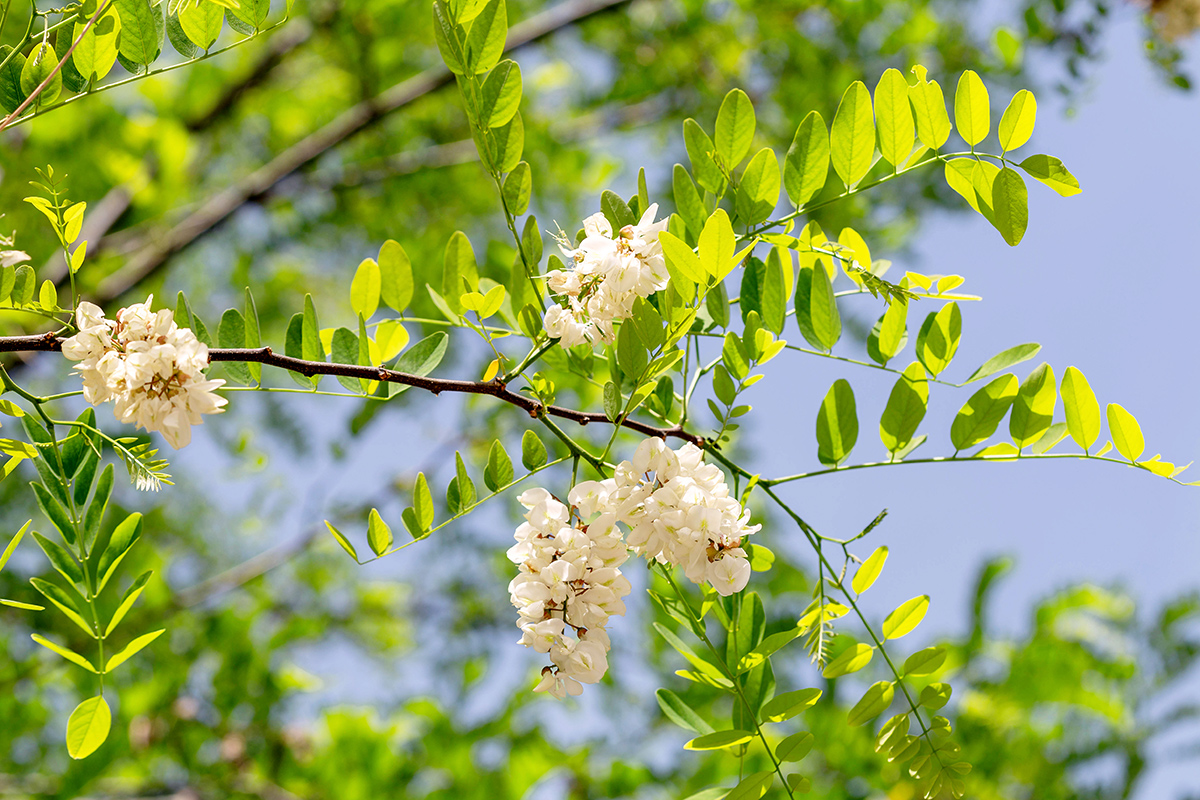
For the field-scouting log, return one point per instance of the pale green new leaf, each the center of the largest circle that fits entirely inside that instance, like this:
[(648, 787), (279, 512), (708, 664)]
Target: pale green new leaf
[(753, 786), (132, 649), (789, 704), (719, 740), (938, 339), (972, 109), (88, 727), (906, 617), (735, 128), (1010, 205), (365, 288), (807, 163), (852, 659), (1033, 409), (894, 118), (379, 535), (69, 655), (868, 573), (1126, 432), (1003, 360), (852, 137), (929, 110), (1050, 171), (1081, 407), (1016, 126)]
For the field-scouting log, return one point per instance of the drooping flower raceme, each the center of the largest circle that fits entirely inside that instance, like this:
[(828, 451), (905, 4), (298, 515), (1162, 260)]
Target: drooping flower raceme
[(150, 368), (679, 512), (569, 584), (605, 275)]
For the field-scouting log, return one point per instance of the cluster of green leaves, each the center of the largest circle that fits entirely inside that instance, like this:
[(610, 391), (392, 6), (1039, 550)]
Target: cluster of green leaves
[(74, 494), (98, 34)]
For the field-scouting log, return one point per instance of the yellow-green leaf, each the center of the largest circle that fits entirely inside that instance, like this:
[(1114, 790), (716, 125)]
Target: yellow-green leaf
[(906, 617), (929, 109), (972, 112), (868, 573), (1126, 432), (873, 703), (1082, 408), (1016, 126), (719, 740), (1033, 409), (88, 727), (852, 138), (69, 655), (364, 288), (852, 659), (893, 117), (132, 649)]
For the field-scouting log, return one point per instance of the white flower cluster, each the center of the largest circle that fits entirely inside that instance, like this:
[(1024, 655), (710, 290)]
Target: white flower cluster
[(679, 512), (606, 275), (151, 369), (569, 579)]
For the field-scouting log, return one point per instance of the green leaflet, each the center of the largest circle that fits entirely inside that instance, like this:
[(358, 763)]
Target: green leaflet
[(1081, 407), (365, 288), (981, 414), (837, 424), (1126, 432), (38, 68), (395, 276), (1003, 360), (869, 572), (700, 151), (1016, 126), (719, 740), (533, 452), (88, 727), (1010, 205), (735, 128), (905, 408), (499, 470), (11, 95), (807, 163), (873, 703), (758, 191), (518, 186), (929, 110), (679, 712), (905, 617), (925, 662), (132, 649), (1033, 409), (201, 24), (459, 270), (500, 95), (485, 39), (972, 109), (507, 144), (816, 308), (96, 52), (890, 332), (687, 200), (231, 332), (1050, 171), (141, 31), (938, 339), (852, 137), (894, 118)]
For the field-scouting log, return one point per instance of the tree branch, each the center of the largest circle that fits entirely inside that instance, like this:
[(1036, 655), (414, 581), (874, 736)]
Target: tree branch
[(355, 119), (495, 388)]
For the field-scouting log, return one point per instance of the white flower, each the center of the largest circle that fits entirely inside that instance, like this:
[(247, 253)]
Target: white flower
[(151, 369), (607, 274)]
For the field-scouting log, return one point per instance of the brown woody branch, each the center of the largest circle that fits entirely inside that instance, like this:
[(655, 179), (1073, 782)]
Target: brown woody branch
[(494, 388)]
